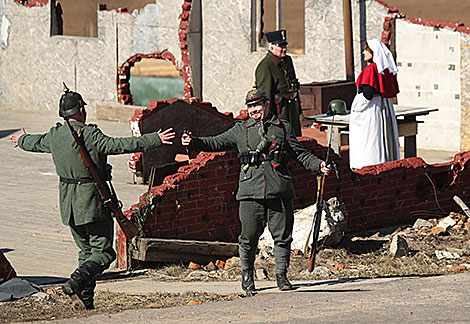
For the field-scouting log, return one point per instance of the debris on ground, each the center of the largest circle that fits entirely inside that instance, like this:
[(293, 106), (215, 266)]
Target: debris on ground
[(399, 246), (427, 247)]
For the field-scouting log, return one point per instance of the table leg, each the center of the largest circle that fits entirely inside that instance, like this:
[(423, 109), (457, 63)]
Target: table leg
[(410, 141)]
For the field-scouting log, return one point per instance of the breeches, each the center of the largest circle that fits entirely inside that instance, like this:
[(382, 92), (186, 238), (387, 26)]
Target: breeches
[(95, 241), (253, 215)]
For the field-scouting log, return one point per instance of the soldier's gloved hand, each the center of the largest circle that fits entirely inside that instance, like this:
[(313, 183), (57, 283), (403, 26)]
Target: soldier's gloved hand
[(166, 135), (186, 138), (325, 169)]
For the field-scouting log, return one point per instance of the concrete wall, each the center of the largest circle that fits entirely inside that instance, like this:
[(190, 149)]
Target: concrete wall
[(229, 64), (33, 64), (429, 64), (32, 80)]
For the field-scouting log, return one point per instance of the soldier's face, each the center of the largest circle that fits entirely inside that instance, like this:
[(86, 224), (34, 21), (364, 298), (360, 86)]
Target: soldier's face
[(258, 111), (279, 51)]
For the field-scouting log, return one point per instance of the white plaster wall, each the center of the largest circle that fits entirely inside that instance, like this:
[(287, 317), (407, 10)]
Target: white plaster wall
[(33, 64), (425, 58), (229, 65)]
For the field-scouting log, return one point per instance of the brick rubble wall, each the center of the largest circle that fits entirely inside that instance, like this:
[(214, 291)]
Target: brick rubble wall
[(6, 270), (199, 201)]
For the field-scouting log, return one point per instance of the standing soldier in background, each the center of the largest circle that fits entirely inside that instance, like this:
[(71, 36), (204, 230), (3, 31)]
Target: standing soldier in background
[(81, 206), (265, 189), (275, 74)]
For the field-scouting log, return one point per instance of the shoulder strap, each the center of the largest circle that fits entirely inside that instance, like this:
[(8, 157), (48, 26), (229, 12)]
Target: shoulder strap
[(284, 136), (246, 135)]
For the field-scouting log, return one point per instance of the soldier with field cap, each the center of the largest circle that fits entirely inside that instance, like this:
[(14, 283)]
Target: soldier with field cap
[(275, 74), (265, 191), (81, 206)]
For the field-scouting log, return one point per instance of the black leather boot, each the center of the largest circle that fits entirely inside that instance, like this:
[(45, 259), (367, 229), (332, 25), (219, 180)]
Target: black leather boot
[(88, 294), (79, 279), (248, 282), (282, 282)]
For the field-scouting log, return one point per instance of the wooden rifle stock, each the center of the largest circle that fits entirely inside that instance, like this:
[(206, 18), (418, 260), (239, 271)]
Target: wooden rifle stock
[(316, 223), (317, 217), (109, 198)]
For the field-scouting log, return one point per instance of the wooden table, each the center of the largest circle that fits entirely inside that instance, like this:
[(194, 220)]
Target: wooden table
[(338, 128)]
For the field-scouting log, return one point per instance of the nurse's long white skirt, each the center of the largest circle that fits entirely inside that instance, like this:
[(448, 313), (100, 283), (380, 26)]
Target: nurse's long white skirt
[(373, 132)]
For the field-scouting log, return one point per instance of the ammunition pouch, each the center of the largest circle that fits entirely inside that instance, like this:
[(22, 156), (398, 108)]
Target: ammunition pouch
[(256, 158)]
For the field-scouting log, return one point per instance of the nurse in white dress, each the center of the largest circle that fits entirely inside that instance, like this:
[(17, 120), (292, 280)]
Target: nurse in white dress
[(373, 131)]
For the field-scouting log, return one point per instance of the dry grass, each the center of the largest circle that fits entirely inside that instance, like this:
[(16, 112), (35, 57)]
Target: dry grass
[(54, 304)]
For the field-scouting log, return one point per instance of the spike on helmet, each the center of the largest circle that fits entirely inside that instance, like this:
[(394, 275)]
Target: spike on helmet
[(338, 107), (70, 103)]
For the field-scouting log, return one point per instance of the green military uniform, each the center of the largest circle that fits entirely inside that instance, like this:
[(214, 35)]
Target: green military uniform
[(80, 204), (265, 188), (277, 76)]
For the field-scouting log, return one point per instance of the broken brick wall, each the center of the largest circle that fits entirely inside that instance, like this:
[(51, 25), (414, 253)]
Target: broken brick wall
[(198, 202), (6, 270), (202, 205)]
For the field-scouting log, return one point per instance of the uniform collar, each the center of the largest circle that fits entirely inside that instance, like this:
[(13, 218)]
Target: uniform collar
[(275, 58), (77, 123)]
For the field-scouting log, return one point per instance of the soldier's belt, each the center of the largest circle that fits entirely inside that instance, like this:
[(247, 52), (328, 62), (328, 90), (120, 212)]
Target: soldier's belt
[(254, 157), (290, 95), (76, 181)]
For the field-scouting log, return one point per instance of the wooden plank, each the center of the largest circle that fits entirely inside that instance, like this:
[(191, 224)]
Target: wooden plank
[(172, 250), (408, 129)]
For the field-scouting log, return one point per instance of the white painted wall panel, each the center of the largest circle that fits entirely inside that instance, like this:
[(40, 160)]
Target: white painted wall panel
[(429, 75)]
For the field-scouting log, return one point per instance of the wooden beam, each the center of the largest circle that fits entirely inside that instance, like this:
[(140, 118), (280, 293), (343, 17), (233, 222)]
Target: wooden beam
[(173, 250)]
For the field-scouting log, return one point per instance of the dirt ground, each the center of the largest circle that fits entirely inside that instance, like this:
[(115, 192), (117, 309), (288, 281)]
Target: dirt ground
[(359, 255)]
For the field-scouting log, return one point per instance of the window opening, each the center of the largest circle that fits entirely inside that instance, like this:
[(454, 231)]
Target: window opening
[(80, 18), (155, 79), (283, 14)]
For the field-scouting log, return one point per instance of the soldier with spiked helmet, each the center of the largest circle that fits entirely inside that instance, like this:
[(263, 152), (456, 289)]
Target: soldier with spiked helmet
[(81, 208)]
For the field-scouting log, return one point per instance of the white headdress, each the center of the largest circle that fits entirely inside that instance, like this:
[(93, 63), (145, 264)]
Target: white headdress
[(382, 56)]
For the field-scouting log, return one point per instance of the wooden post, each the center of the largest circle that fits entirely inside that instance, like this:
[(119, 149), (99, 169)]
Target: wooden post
[(348, 40)]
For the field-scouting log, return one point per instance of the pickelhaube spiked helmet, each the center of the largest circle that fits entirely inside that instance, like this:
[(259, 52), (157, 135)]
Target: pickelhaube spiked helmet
[(70, 103), (255, 96)]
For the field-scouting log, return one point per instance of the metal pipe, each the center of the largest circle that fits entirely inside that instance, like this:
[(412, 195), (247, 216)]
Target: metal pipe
[(348, 40)]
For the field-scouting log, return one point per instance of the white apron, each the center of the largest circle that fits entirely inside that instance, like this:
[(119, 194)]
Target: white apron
[(373, 132)]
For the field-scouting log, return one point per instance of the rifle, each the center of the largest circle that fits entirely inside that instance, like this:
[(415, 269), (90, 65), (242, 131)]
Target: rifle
[(108, 195), (315, 246)]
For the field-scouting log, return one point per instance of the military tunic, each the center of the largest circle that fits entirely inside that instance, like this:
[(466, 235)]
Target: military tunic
[(265, 192), (80, 204), (272, 76)]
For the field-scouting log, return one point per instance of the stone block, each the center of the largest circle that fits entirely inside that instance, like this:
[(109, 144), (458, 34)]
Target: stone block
[(399, 246)]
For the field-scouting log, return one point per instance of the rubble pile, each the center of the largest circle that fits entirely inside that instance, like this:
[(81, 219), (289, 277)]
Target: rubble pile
[(427, 247), (332, 226)]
